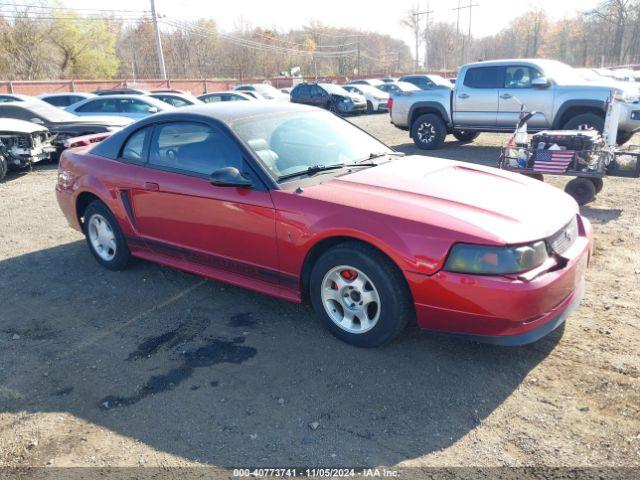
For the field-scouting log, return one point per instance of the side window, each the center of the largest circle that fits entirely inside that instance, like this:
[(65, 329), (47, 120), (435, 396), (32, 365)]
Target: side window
[(193, 148), (484, 77), (520, 76), (214, 98), (133, 149), (175, 101), (130, 105), (233, 98), (103, 106), (58, 101), (302, 90), (316, 91)]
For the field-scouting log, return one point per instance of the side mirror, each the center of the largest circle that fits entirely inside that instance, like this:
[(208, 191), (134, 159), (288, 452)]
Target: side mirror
[(36, 120), (540, 82), (229, 177), (153, 110)]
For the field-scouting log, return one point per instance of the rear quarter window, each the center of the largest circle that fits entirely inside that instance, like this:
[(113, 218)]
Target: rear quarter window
[(484, 77)]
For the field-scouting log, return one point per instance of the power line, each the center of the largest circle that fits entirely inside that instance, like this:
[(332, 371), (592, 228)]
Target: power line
[(61, 9)]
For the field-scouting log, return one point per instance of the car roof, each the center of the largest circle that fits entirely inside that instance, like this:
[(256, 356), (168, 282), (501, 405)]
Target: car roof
[(17, 96), (225, 112), (507, 61)]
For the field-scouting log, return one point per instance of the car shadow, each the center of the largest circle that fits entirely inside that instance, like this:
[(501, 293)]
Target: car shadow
[(600, 216), (229, 377), (18, 174)]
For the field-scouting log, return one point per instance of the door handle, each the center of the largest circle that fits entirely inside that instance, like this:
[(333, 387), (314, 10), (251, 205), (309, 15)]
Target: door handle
[(463, 95), (152, 186), (506, 96)]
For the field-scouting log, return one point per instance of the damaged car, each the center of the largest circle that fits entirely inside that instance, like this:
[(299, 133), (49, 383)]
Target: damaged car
[(22, 144), (62, 124)]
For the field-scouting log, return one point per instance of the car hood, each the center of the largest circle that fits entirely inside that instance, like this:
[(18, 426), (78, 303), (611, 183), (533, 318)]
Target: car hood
[(480, 203), (20, 126)]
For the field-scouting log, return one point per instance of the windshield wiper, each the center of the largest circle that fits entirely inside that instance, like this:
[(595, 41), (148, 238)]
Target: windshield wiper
[(381, 154), (311, 170), (321, 168)]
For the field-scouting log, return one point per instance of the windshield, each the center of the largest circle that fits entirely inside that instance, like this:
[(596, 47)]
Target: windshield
[(331, 88), (407, 87), (562, 73), (293, 142)]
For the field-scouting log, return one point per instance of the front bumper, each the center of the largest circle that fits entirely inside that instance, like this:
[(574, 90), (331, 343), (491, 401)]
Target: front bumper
[(499, 309), (352, 107)]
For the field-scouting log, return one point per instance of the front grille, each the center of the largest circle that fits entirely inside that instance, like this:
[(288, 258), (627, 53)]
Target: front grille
[(562, 240)]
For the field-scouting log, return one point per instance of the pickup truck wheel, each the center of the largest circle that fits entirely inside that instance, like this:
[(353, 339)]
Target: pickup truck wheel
[(465, 136), (623, 137), (360, 295), (428, 131), (3, 167), (581, 189), (585, 121), (104, 237)]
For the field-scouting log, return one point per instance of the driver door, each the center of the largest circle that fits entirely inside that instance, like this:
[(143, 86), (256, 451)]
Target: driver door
[(224, 232)]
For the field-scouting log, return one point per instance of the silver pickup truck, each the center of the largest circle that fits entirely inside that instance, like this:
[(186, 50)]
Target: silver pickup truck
[(487, 97)]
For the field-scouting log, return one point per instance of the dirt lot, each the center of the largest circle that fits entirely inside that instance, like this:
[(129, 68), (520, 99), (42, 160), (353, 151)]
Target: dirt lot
[(156, 367)]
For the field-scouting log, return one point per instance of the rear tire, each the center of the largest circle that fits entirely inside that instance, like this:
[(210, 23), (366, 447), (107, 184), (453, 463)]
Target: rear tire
[(581, 189), (338, 299), (428, 131), (465, 136), (104, 237), (585, 121)]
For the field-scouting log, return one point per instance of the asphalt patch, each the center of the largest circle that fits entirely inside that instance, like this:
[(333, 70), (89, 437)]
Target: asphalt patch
[(242, 320)]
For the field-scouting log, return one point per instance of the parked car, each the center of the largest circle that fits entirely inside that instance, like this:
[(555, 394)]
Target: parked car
[(488, 95), (329, 96), (176, 99), (169, 90), (121, 91), (264, 91), (389, 79), (297, 203), (376, 98), (61, 124), (64, 99), (213, 97), (398, 87), (374, 82), (427, 82), (130, 106), (23, 144)]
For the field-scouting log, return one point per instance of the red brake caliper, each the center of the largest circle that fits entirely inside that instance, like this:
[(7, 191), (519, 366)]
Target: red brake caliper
[(349, 275)]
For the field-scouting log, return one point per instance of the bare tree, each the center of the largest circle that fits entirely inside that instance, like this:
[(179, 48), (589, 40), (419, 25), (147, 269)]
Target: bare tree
[(411, 21)]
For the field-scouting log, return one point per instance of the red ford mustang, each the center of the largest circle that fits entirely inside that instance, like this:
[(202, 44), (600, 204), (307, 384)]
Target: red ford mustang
[(295, 202)]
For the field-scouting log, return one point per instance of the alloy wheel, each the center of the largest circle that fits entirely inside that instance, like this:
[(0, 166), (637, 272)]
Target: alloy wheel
[(350, 299), (102, 237)]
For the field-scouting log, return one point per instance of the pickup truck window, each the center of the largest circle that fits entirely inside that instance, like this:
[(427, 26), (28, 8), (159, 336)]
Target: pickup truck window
[(520, 76), (484, 77)]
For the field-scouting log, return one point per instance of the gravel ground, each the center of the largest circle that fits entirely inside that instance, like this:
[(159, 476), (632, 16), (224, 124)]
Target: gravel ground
[(156, 367)]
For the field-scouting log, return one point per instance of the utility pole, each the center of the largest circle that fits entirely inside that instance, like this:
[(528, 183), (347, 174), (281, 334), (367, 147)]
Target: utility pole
[(427, 12), (470, 7), (154, 18)]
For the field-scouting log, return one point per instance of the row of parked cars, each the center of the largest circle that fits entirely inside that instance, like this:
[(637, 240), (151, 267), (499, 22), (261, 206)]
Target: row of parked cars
[(37, 129)]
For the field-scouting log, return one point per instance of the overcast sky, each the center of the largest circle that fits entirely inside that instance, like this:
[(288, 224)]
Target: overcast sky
[(381, 16)]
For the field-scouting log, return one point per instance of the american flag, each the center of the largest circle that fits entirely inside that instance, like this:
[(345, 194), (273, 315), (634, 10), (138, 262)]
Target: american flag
[(552, 161)]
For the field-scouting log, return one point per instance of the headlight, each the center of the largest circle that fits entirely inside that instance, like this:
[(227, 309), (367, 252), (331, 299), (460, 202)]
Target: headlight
[(488, 260), (346, 100)]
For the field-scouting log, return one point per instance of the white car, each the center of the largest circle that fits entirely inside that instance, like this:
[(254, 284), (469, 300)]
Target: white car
[(130, 106), (374, 82), (376, 98), (264, 91), (65, 99)]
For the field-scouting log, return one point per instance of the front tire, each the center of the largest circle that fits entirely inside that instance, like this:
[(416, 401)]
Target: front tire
[(585, 121), (104, 237), (360, 295), (428, 131), (465, 136), (369, 107)]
